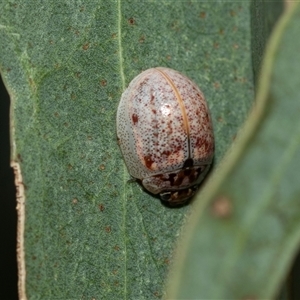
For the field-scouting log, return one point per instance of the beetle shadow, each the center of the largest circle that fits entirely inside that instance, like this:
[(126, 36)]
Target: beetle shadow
[(175, 206), (164, 203)]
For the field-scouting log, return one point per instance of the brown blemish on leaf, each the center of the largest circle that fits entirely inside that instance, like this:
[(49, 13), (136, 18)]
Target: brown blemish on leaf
[(115, 194), (75, 201), (232, 13), (131, 21), (235, 46), (142, 39), (114, 35), (222, 207), (73, 96), (86, 46), (240, 79), (216, 45), (221, 31), (216, 85), (202, 15), (77, 74), (108, 229), (101, 207), (102, 167), (116, 247), (168, 57), (103, 82), (156, 294), (32, 83), (56, 114)]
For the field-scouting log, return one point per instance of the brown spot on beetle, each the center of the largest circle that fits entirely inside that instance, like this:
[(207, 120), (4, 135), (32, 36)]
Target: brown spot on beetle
[(166, 153), (135, 119), (148, 161)]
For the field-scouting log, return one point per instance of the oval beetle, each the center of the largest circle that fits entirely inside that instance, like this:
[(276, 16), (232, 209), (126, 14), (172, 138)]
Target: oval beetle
[(165, 133)]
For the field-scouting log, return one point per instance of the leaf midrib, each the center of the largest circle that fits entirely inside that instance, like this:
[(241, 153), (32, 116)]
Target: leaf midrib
[(121, 59)]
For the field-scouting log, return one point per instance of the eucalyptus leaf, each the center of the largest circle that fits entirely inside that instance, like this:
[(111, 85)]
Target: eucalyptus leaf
[(244, 231), (84, 230)]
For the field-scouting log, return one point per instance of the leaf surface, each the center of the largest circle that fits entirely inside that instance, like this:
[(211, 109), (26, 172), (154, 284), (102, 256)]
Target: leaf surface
[(244, 230), (88, 232)]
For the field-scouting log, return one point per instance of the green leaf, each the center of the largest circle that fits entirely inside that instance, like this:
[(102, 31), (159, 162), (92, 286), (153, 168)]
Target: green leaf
[(244, 231), (84, 231)]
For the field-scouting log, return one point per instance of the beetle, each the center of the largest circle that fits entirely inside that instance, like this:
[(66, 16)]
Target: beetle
[(165, 133)]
